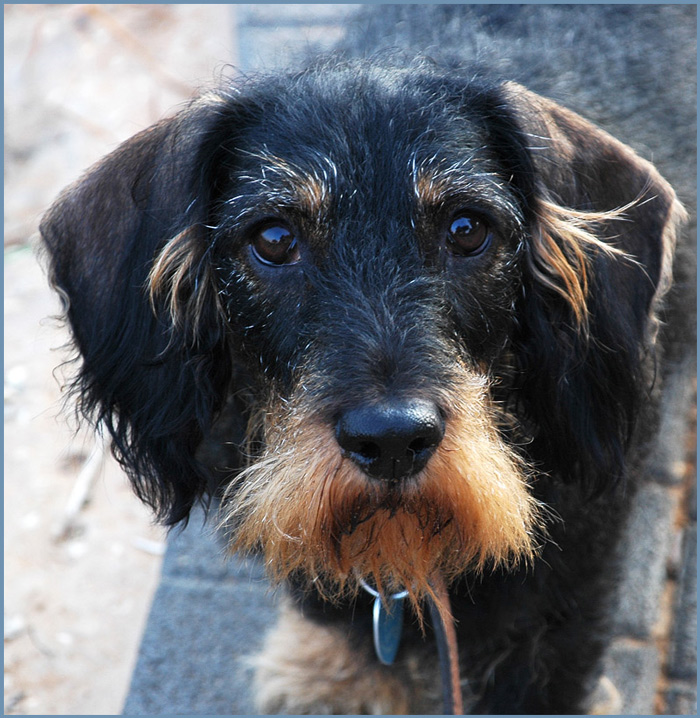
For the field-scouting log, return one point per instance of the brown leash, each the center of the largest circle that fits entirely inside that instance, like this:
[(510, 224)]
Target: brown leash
[(446, 638)]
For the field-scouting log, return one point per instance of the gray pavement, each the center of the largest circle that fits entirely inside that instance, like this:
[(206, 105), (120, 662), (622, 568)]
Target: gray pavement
[(209, 613)]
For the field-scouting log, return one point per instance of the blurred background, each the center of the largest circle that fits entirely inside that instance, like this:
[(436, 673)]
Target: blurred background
[(82, 557)]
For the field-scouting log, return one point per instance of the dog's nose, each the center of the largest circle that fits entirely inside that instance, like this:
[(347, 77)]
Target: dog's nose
[(391, 440)]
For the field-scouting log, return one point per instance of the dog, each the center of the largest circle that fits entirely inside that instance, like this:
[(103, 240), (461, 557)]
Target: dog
[(412, 324)]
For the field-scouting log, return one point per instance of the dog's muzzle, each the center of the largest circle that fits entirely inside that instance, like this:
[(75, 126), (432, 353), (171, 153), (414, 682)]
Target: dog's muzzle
[(392, 440)]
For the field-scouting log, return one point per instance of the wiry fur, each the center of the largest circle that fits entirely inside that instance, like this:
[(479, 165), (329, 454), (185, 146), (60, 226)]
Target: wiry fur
[(544, 354), (314, 511)]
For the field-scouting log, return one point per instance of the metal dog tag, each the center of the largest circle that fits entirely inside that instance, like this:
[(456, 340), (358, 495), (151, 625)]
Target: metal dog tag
[(387, 624)]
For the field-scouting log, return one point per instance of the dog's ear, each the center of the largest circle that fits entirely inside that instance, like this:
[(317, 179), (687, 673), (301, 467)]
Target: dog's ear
[(154, 377), (603, 229)]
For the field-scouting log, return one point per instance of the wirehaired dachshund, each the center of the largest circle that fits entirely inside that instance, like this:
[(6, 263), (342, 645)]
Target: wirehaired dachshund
[(408, 321)]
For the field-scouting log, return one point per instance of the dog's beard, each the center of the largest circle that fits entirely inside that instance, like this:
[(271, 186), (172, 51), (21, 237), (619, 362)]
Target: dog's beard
[(313, 512)]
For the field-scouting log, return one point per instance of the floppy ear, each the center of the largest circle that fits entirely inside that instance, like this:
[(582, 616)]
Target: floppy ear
[(155, 383), (603, 232)]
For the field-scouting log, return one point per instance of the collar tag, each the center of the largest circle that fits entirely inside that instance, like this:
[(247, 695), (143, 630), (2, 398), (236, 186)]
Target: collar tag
[(387, 623)]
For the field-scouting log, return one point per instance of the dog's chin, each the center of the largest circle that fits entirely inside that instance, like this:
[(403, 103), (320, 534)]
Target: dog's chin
[(313, 513)]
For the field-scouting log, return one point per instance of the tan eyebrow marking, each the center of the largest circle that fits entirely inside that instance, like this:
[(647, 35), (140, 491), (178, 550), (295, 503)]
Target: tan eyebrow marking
[(282, 182)]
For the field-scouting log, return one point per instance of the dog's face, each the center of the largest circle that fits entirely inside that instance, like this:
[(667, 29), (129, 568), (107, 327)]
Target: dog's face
[(418, 290), (368, 258)]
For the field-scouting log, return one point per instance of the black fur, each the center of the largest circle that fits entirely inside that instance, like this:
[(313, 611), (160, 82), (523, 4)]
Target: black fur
[(377, 306)]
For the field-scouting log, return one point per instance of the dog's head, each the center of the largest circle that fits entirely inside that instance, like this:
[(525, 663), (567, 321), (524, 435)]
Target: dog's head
[(402, 288)]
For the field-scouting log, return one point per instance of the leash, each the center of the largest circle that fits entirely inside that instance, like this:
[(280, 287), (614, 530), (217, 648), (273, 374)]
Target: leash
[(387, 626), (446, 638)]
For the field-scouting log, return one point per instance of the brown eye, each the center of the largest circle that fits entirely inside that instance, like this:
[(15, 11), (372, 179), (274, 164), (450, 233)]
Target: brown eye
[(275, 244), (467, 235)]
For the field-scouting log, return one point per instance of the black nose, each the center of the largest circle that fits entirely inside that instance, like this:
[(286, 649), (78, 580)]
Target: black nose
[(391, 440)]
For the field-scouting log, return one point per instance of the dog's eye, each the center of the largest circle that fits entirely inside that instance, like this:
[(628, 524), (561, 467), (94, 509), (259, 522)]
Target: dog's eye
[(275, 244), (467, 235)]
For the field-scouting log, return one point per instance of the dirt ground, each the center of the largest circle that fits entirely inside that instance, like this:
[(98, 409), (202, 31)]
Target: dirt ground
[(78, 80)]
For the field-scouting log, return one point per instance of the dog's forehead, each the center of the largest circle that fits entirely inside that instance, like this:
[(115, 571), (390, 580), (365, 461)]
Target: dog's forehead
[(363, 141), (373, 153)]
